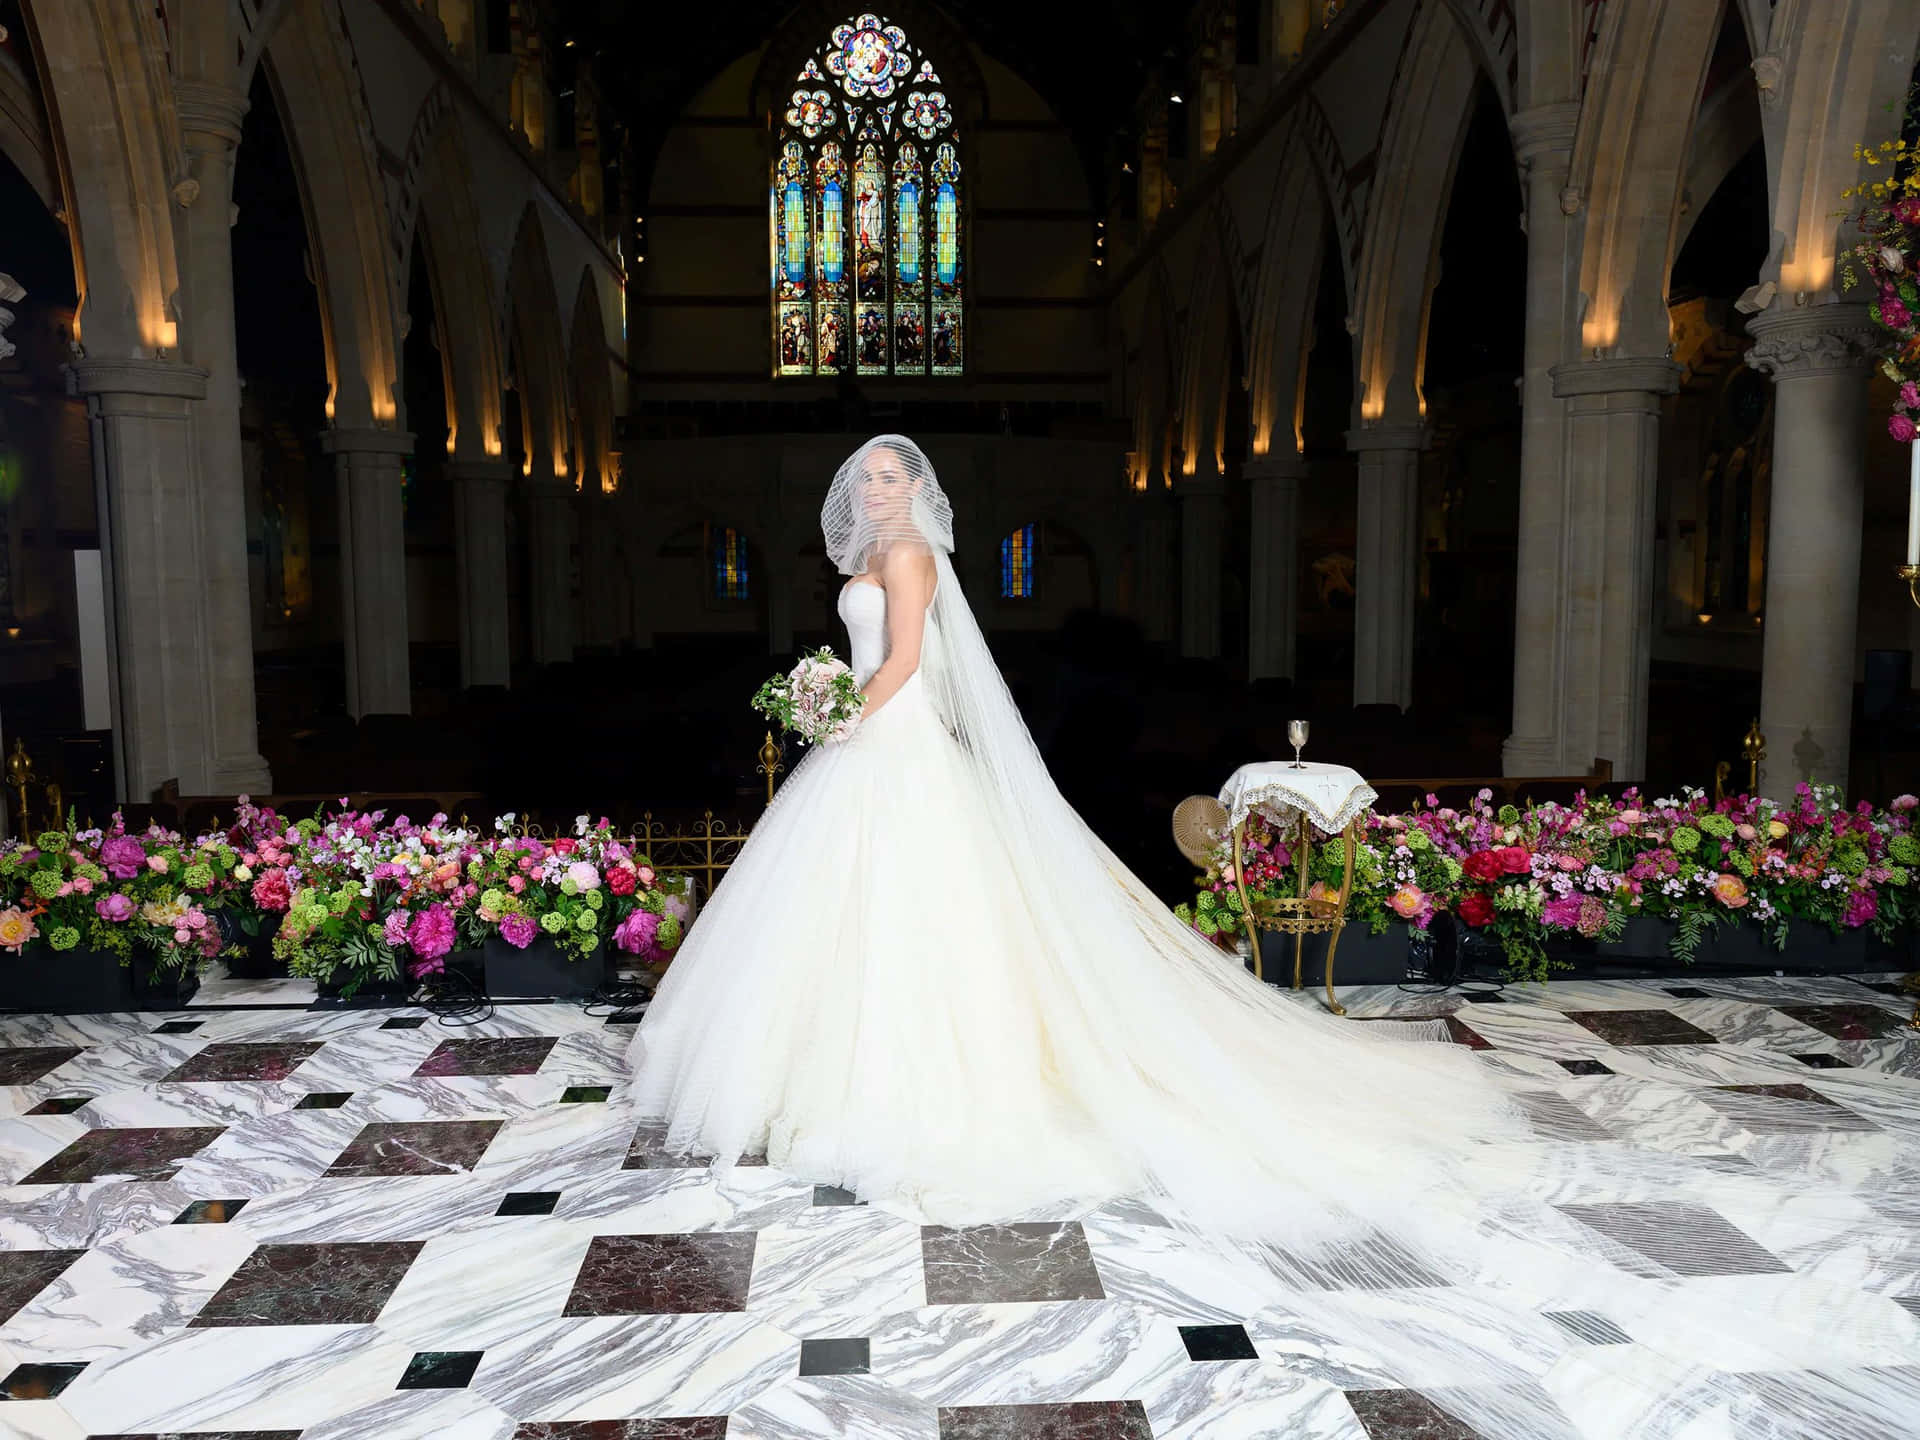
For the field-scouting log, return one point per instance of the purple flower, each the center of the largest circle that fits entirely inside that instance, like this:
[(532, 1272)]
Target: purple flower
[(1909, 395), (123, 857), (1862, 906), (1893, 314), (1562, 913), (1901, 428), (394, 932), (636, 933), (116, 908), (518, 930)]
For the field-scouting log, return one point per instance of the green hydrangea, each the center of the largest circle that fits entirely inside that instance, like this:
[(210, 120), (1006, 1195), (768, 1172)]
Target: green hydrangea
[(587, 921), (1452, 867), (52, 842), (1418, 839), (1686, 840), (1898, 874), (493, 901), (668, 935), (46, 883), (1904, 849), (595, 899), (306, 829), (199, 877), (1850, 859), (1206, 902), (1742, 862), (1718, 826), (91, 871), (65, 938), (553, 922), (342, 899), (1508, 815), (568, 887)]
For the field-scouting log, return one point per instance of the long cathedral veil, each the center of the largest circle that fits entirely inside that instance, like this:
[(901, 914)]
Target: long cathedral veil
[(1427, 1209)]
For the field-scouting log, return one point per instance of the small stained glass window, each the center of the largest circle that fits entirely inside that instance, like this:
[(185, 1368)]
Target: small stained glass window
[(1016, 565), (729, 549)]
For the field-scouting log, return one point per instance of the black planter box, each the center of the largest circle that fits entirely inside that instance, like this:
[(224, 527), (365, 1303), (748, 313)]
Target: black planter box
[(1816, 948), (1644, 938), (1362, 957), (542, 971), (45, 981), (370, 994), (255, 959)]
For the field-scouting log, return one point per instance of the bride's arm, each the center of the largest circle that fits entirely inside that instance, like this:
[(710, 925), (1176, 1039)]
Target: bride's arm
[(908, 578)]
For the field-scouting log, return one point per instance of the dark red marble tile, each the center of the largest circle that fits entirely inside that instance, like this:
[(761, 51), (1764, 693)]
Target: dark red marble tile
[(1461, 1033), (25, 1273), (244, 1062), (517, 1055), (311, 1285), (692, 1427), (22, 1065), (663, 1274), (1848, 1022), (147, 1153), (1641, 1027), (1002, 1264), (649, 1152), (1082, 1420), (1405, 1415), (415, 1147)]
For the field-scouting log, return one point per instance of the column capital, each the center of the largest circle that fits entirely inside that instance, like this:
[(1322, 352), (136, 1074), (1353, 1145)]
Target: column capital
[(1545, 131), (162, 378), (1649, 375), (1388, 437), (209, 109), (1811, 340), (344, 440)]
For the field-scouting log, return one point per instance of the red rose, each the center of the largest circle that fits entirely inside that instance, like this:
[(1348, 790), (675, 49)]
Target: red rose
[(620, 880), (1483, 865), (1514, 859), (1475, 910), (565, 846)]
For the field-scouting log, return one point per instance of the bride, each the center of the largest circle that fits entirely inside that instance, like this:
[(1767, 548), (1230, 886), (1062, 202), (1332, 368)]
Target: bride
[(925, 980)]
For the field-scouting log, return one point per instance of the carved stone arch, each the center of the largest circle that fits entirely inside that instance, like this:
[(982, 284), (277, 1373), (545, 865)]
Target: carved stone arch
[(1342, 190), (592, 382), (1213, 329), (931, 33), (1548, 53), (1406, 218), (317, 86), (1492, 32), (1282, 309), (26, 137), (1154, 400), (532, 316), (447, 221), (1233, 257), (404, 190)]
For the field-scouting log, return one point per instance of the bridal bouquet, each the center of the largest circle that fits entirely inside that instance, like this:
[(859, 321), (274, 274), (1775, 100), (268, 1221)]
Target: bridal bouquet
[(818, 699)]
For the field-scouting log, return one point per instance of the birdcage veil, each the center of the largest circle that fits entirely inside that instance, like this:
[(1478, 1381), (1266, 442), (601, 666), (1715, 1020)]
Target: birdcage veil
[(883, 497)]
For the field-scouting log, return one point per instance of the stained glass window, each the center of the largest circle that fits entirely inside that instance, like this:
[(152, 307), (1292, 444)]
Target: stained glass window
[(868, 213), (1016, 565), (729, 550)]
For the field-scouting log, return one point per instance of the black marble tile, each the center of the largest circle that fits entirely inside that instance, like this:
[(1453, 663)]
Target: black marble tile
[(60, 1105), (440, 1370), (1554, 1117), (834, 1357), (585, 1094), (627, 1017), (404, 1022), (39, 1382), (221, 1061), (415, 1147), (209, 1212), (663, 1274), (1684, 1239), (144, 1153), (1687, 992), (996, 1264), (324, 1100), (1405, 1415), (649, 1152), (1783, 1108), (1585, 1325), (1882, 987), (24, 1064), (685, 1427), (1909, 1303), (178, 1027), (1080, 1420), (1820, 1060), (311, 1285), (529, 1202), (1218, 1342), (1584, 1067), (1848, 1022), (25, 1273), (1641, 1027), (517, 1055), (834, 1195)]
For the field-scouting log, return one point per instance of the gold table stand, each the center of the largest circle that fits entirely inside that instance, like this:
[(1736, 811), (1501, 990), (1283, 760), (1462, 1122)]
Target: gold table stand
[(1298, 915)]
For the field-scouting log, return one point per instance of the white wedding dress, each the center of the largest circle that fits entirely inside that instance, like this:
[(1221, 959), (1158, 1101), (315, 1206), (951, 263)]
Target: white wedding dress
[(926, 981)]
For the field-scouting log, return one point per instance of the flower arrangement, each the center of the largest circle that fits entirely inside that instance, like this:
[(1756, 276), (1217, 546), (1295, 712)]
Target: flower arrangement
[(1530, 879), (1882, 262), (818, 699)]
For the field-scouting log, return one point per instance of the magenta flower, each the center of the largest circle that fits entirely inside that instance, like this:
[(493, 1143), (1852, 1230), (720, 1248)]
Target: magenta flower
[(636, 933), (394, 931), (1901, 429), (115, 908), (1862, 906), (122, 856), (518, 930), (431, 933), (1893, 314)]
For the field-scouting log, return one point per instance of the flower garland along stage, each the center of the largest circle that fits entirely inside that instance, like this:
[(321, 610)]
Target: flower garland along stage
[(348, 898), (1531, 879)]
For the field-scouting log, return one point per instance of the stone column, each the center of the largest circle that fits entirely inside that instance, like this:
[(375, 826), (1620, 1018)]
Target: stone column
[(1607, 582), (1273, 571), (550, 551), (373, 568), (1203, 525), (1385, 561), (210, 130), (1154, 565), (1817, 358), (176, 699), (480, 567), (1543, 139)]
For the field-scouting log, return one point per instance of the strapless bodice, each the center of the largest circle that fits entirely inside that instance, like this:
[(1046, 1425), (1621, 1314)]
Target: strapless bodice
[(863, 610)]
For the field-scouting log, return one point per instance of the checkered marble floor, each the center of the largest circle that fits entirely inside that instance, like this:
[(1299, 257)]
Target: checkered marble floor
[(254, 1218)]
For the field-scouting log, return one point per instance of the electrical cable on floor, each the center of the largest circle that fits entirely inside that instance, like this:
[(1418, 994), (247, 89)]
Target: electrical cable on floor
[(452, 998), (619, 995)]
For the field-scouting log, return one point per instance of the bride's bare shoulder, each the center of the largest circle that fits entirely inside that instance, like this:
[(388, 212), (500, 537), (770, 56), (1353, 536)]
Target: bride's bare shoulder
[(908, 570)]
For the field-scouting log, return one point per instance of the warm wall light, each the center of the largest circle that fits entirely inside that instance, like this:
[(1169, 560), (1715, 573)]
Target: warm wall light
[(168, 335), (1174, 99), (1704, 617)]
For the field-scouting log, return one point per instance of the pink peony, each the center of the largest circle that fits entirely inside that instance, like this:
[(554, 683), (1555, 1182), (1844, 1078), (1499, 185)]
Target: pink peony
[(644, 874), (1562, 912), (1408, 901), (1746, 832), (518, 930), (431, 933), (1909, 395), (122, 856), (271, 891), (1903, 803), (621, 881), (636, 933), (1893, 313), (584, 875), (116, 908), (1901, 429), (1730, 891), (1862, 906), (394, 931)]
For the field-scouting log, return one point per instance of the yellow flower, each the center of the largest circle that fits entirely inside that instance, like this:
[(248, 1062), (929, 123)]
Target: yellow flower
[(1777, 829)]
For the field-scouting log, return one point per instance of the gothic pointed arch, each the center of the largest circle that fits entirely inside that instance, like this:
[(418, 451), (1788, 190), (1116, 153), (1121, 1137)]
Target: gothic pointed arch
[(1206, 368), (1282, 312), (592, 385), (448, 224), (533, 331)]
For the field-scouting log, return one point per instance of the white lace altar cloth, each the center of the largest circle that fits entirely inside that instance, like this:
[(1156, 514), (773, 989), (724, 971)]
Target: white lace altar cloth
[(1329, 795)]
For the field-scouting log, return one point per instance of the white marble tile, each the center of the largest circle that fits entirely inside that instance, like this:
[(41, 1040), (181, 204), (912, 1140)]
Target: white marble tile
[(130, 1060), (456, 1097), (418, 1415), (276, 1152), (82, 1030), (28, 1141), (1145, 1262), (669, 1202), (398, 1207), (479, 1288), (68, 1217), (223, 989), (836, 1270), (1248, 1400), (835, 1407)]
